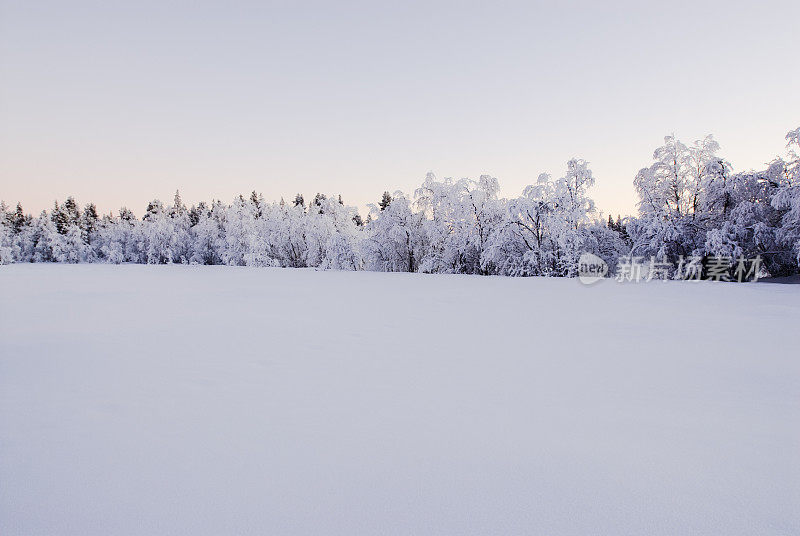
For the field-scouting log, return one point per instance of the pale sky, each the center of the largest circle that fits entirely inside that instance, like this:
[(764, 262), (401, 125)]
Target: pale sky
[(121, 102)]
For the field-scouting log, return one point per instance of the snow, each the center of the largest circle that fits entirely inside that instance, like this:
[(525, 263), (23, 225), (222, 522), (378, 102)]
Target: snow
[(220, 400)]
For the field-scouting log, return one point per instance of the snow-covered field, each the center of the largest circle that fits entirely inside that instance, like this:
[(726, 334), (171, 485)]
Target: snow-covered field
[(218, 400)]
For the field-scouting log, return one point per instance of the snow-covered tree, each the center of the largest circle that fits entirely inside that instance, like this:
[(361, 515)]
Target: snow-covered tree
[(460, 215), (157, 235), (47, 243), (395, 239), (787, 197), (207, 234), (672, 198), (546, 229), (332, 236), (75, 248), (8, 253)]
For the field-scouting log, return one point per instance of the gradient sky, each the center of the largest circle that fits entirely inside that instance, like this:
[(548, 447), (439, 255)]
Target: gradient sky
[(121, 102)]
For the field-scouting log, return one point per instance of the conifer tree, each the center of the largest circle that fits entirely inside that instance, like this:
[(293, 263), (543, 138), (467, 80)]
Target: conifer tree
[(385, 200)]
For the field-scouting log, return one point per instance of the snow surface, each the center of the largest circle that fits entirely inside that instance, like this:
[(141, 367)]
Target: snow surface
[(218, 400)]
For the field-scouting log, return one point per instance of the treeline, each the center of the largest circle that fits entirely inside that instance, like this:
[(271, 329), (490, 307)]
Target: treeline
[(691, 203)]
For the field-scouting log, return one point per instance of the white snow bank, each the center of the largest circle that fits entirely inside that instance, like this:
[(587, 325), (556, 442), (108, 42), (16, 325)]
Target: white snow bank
[(215, 400)]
